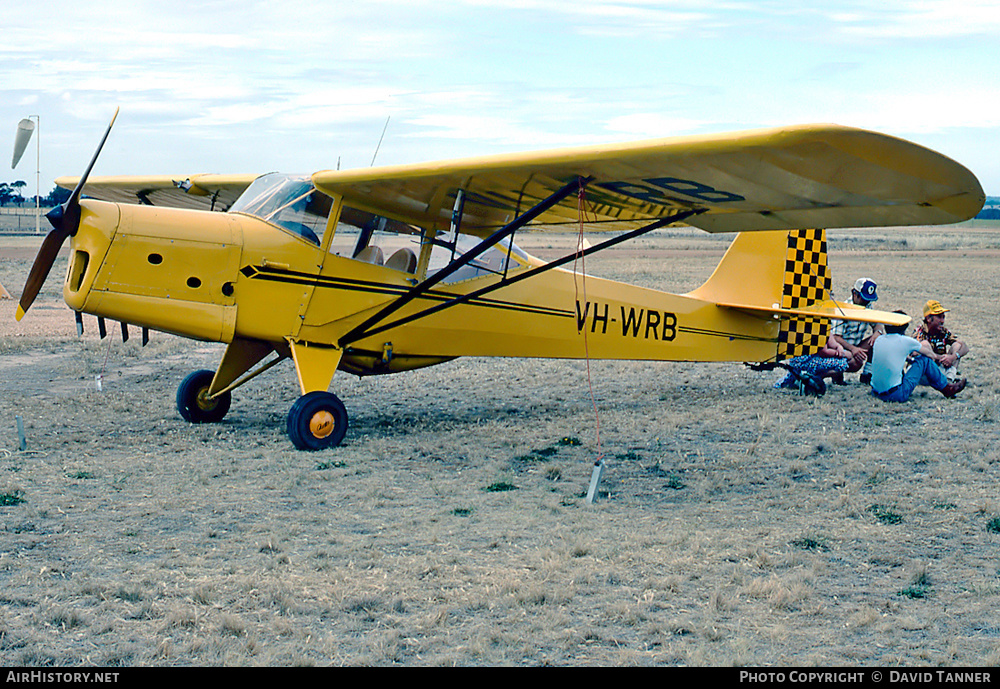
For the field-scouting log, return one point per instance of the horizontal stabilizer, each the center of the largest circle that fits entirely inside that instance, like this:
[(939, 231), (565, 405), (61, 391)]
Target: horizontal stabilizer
[(838, 310)]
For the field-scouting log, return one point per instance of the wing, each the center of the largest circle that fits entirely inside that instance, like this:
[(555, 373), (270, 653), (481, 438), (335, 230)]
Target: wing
[(199, 192), (775, 179)]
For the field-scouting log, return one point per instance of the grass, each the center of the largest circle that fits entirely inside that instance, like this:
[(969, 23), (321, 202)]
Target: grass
[(885, 514), (915, 591), (221, 545), (811, 543), (11, 498), (675, 482), (920, 586)]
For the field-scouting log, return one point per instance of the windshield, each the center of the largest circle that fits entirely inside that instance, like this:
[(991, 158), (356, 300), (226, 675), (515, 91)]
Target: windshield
[(288, 201)]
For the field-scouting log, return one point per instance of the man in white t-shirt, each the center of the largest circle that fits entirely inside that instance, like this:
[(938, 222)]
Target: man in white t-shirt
[(890, 382)]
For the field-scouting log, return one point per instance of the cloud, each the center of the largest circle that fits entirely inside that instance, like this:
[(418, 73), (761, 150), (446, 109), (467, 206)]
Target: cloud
[(492, 130), (649, 124), (227, 80), (929, 19)]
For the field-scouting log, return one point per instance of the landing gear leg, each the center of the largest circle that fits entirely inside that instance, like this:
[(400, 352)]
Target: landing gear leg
[(317, 421)]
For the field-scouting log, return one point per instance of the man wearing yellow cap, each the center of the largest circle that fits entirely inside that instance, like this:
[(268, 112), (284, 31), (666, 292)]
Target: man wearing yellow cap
[(947, 349)]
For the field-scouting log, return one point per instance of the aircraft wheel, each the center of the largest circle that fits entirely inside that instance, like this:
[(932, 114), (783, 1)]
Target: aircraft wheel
[(317, 421), (195, 406)]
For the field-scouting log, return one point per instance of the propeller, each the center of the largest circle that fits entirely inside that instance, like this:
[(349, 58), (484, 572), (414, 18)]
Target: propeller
[(65, 220)]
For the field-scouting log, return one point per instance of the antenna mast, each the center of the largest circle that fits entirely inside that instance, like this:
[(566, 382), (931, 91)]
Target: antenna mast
[(380, 140)]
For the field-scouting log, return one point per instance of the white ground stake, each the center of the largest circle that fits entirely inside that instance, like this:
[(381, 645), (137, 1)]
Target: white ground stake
[(22, 442), (595, 479)]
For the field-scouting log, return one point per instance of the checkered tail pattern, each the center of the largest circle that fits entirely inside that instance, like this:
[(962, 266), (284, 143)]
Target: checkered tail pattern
[(807, 280)]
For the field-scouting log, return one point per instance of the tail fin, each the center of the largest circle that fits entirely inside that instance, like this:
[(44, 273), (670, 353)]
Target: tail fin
[(776, 272), (806, 281)]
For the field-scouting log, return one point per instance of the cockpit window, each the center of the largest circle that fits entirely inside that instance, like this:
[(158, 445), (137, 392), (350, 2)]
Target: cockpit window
[(374, 239), (499, 259), (289, 201), (367, 237)]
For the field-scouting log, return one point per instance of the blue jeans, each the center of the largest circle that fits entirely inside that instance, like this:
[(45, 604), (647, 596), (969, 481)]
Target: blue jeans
[(922, 368)]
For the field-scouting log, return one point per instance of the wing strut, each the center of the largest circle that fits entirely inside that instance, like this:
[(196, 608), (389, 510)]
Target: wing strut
[(456, 220), (662, 222), (361, 330)]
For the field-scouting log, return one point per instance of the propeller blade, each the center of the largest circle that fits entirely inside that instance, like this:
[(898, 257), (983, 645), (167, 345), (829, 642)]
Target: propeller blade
[(70, 217), (65, 220), (40, 269)]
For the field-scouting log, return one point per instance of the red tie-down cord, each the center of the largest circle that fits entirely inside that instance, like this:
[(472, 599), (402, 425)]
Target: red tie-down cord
[(581, 203)]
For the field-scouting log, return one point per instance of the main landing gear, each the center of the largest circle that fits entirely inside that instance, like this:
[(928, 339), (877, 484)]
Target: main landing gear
[(317, 420)]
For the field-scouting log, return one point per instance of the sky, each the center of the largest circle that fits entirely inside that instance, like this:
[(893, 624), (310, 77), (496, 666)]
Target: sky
[(301, 86)]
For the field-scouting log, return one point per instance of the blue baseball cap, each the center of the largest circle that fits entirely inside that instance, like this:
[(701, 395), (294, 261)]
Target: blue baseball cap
[(866, 288)]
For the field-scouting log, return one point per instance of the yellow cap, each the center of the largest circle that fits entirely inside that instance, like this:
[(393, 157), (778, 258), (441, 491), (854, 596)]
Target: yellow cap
[(933, 307)]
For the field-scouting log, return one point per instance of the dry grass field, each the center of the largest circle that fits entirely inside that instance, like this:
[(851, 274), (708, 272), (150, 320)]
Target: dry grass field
[(737, 524)]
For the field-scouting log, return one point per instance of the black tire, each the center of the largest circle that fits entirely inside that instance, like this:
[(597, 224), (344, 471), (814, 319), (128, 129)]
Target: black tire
[(194, 406), (317, 421)]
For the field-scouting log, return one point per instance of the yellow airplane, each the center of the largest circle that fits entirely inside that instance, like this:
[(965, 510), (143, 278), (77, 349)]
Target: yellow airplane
[(387, 269)]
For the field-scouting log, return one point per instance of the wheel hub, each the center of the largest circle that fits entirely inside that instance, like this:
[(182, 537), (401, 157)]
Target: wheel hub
[(321, 424), (205, 402)]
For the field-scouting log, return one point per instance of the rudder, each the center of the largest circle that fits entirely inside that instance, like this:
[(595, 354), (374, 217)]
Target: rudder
[(807, 280)]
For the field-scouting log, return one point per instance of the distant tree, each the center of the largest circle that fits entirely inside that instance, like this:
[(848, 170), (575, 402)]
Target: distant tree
[(57, 196), (17, 196), (10, 193)]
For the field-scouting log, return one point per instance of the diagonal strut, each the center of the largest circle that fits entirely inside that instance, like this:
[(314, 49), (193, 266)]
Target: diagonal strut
[(362, 330), (460, 299)]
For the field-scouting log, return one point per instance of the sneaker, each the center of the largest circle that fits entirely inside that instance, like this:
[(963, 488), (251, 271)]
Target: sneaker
[(811, 385), (952, 389), (837, 379), (866, 379)]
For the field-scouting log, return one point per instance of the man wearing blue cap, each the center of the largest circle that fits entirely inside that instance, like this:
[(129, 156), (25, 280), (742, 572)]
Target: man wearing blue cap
[(847, 349), (853, 335)]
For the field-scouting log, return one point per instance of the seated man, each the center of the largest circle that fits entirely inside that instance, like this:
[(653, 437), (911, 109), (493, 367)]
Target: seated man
[(853, 335), (889, 355), (946, 348)]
